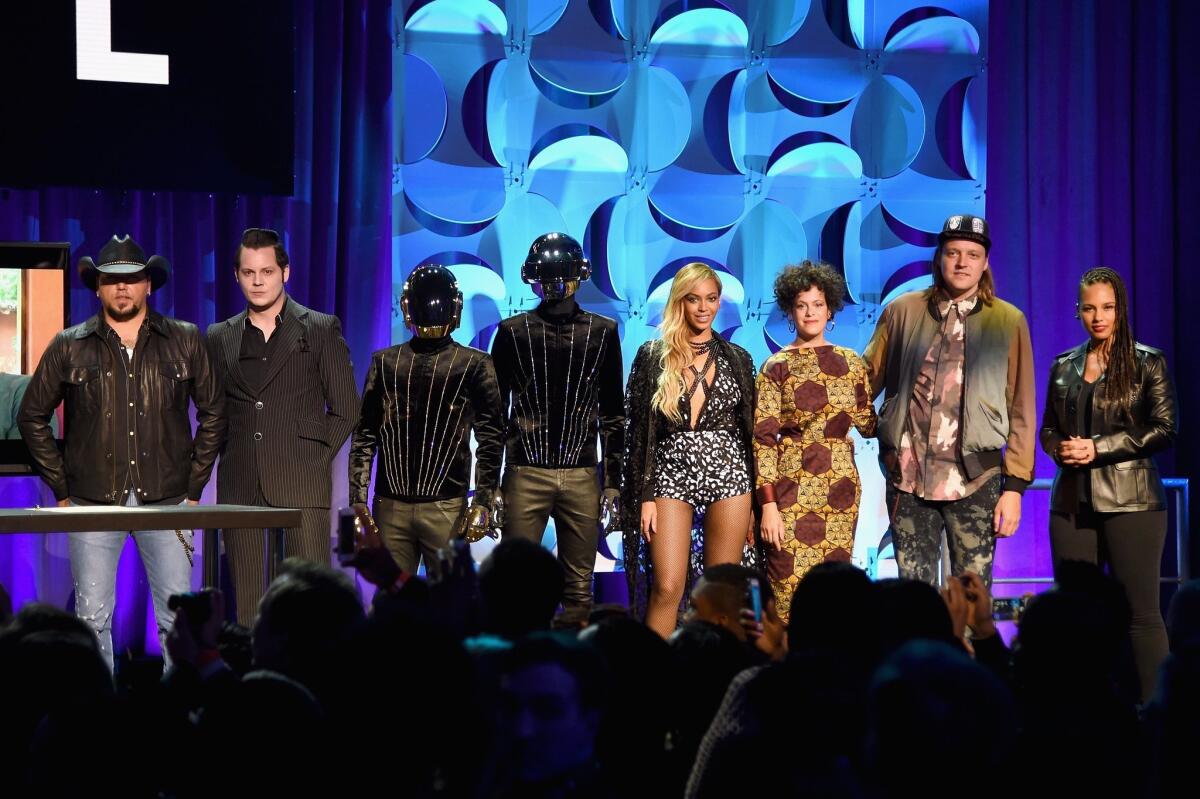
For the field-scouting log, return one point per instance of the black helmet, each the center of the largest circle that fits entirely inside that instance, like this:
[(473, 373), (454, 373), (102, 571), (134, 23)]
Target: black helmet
[(556, 266), (431, 301)]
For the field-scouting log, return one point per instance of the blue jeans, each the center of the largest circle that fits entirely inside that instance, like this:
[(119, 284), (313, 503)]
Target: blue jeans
[(94, 559)]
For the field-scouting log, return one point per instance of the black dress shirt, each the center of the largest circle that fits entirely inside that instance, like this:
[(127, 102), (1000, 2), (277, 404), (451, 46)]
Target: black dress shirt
[(560, 375), (256, 350), (122, 415)]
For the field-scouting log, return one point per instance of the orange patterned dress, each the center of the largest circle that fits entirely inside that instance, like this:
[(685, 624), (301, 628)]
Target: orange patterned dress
[(808, 399)]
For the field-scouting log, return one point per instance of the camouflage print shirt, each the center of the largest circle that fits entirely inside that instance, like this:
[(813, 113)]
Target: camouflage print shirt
[(928, 459)]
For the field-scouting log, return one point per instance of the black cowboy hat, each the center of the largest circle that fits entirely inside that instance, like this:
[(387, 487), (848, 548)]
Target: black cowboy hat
[(123, 256)]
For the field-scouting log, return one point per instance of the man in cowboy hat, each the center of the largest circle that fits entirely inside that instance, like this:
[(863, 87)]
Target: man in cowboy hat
[(125, 377), (292, 403)]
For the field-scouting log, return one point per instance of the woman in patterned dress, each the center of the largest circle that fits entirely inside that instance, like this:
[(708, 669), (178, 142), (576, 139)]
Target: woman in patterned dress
[(809, 395), (688, 416)]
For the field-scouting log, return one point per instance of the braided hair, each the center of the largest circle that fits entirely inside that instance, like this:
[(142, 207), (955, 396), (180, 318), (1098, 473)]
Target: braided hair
[(1121, 372)]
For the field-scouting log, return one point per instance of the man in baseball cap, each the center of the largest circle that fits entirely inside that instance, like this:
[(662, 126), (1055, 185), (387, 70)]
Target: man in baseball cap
[(957, 428)]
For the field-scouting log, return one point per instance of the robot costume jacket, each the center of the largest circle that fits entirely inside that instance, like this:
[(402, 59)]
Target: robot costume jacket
[(421, 401), (564, 376)]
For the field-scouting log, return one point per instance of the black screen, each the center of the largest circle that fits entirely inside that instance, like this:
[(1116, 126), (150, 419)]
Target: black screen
[(223, 121)]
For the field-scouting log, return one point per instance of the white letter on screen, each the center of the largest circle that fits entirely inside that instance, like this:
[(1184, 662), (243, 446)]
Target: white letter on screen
[(95, 59)]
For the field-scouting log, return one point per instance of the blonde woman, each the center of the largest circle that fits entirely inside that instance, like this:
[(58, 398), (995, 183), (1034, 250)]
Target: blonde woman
[(689, 411)]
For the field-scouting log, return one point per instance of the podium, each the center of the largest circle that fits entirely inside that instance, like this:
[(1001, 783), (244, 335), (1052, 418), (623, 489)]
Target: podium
[(208, 518)]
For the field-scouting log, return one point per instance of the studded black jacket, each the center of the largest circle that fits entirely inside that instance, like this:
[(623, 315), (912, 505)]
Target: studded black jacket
[(561, 384), (422, 400)]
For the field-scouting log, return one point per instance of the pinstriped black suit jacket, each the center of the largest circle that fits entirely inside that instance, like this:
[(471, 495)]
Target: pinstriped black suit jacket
[(284, 436)]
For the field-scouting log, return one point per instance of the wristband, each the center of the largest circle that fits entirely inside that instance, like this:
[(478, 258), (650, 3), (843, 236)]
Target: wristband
[(401, 579)]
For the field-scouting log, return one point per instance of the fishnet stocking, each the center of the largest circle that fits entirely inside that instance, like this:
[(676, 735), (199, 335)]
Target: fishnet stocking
[(669, 553), (726, 523)]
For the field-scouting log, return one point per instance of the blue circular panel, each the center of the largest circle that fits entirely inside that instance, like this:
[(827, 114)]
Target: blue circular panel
[(940, 34), (710, 27), (694, 204), (458, 17), (815, 65), (888, 127), (952, 122), (568, 148), (768, 238), (451, 199), (511, 111), (781, 18), (576, 56), (423, 90), (544, 14), (653, 118), (818, 158)]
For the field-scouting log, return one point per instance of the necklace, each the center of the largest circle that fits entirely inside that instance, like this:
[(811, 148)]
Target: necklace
[(701, 347)]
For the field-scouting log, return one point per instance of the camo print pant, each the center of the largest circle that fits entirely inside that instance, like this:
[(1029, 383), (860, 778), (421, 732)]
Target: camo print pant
[(917, 526)]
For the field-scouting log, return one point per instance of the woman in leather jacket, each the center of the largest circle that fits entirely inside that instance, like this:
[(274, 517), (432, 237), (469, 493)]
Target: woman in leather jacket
[(1110, 406)]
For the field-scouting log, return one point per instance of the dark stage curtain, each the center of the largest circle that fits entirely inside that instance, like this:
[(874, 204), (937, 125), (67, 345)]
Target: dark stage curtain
[(337, 224), (1092, 134)]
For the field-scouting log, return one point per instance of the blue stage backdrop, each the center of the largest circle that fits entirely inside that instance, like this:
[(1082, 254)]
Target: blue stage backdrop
[(747, 134)]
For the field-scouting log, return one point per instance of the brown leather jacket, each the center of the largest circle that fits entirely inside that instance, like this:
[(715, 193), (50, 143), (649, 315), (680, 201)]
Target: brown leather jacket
[(1123, 475), (80, 369)]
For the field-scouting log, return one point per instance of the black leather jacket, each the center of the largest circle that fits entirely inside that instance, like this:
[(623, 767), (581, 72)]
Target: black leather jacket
[(1123, 477), (81, 368)]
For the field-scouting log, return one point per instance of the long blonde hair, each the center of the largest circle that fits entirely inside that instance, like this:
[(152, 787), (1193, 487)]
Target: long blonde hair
[(676, 352)]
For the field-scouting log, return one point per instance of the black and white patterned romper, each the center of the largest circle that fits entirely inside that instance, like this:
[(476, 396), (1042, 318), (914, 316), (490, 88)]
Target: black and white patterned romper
[(707, 464)]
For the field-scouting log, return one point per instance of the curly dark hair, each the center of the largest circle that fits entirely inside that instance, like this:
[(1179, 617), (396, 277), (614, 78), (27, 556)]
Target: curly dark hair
[(801, 277)]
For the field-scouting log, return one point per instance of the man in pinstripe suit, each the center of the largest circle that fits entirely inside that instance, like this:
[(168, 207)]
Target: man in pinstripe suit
[(291, 402)]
